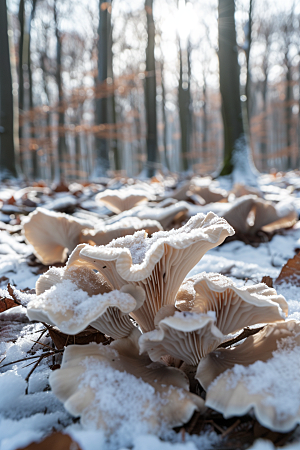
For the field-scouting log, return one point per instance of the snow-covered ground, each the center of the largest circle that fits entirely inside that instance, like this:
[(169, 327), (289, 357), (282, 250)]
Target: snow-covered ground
[(27, 417)]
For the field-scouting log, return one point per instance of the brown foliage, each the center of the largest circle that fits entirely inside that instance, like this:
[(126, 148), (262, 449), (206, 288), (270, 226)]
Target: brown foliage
[(86, 336), (290, 273), (57, 441), (267, 280)]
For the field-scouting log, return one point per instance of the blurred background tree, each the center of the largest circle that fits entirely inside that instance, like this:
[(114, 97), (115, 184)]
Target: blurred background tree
[(136, 86)]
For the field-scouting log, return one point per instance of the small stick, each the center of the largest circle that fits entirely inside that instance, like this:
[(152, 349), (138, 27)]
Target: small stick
[(245, 333), (216, 426), (31, 372), (231, 428)]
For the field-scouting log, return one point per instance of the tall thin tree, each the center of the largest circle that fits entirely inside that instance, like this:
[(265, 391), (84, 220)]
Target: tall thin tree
[(150, 93), (7, 129), (237, 157)]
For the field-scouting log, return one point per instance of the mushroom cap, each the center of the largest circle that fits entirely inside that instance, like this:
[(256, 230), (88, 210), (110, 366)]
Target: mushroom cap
[(128, 225), (163, 215), (96, 382), (79, 299), (186, 336), (209, 194), (235, 307), (270, 386), (123, 199), (158, 264), (258, 347), (52, 234), (266, 216)]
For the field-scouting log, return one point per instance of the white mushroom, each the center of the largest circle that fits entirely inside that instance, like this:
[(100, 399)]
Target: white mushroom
[(123, 199), (158, 264), (235, 307), (106, 233), (212, 307), (110, 387), (79, 298), (163, 215), (52, 235), (250, 214), (270, 386)]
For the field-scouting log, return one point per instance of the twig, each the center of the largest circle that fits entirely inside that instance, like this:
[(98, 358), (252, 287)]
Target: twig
[(45, 355), (215, 425), (31, 372), (37, 342), (245, 333), (231, 428)]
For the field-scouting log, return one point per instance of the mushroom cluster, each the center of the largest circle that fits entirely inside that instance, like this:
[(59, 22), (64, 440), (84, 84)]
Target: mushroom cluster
[(166, 330)]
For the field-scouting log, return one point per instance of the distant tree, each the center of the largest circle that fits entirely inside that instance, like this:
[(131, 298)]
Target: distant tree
[(184, 103), (62, 145), (150, 93), (101, 115), (237, 160), (7, 134)]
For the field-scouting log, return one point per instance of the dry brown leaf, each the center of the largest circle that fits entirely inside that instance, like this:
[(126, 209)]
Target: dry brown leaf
[(267, 280), (60, 187), (57, 441), (86, 336), (7, 303), (290, 273)]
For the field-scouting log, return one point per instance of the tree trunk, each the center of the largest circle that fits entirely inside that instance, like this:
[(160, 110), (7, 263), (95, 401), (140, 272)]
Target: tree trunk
[(236, 151), (34, 158), (288, 115), (264, 133), (184, 101), (101, 117), (21, 17), (62, 145), (150, 94), (247, 51), (7, 129), (164, 117)]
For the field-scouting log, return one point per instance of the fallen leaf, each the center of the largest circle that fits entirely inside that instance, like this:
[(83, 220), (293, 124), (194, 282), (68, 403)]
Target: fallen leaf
[(267, 280), (7, 303), (60, 187), (57, 441), (290, 273), (86, 336)]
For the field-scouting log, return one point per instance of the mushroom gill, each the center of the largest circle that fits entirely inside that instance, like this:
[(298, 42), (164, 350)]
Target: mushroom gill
[(158, 264)]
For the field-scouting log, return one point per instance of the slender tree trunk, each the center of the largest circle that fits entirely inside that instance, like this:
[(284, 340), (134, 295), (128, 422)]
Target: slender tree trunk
[(150, 93), (288, 115), (7, 129), (205, 118), (34, 158), (21, 16), (164, 117), (236, 150), (184, 101), (62, 145), (104, 28), (264, 134), (247, 51)]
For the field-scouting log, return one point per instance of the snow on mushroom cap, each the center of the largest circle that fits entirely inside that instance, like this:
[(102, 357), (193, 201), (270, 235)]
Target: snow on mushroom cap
[(129, 225), (79, 299), (271, 388), (235, 307), (52, 234), (258, 347), (137, 255), (96, 382), (158, 264)]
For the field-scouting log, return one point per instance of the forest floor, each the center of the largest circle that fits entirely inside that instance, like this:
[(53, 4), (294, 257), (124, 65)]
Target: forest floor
[(28, 409)]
